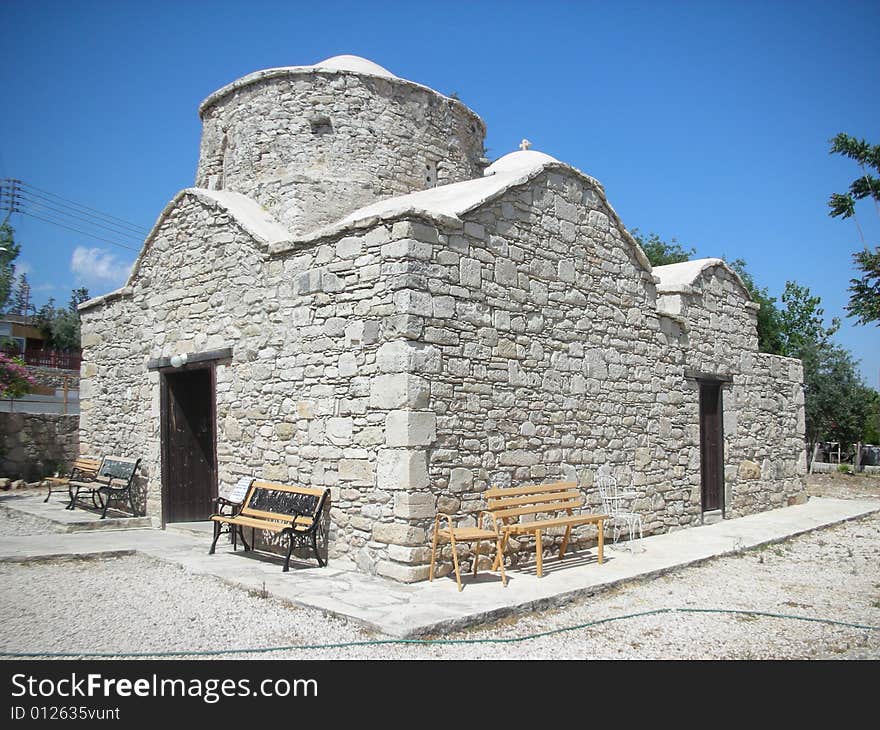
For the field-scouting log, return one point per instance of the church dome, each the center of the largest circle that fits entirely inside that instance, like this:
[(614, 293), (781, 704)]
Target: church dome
[(312, 144), (355, 64), (519, 161)]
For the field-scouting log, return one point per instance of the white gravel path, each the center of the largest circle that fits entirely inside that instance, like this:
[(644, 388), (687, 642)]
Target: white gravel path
[(155, 606)]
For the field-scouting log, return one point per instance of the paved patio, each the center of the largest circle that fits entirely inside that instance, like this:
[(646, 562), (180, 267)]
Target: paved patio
[(421, 609)]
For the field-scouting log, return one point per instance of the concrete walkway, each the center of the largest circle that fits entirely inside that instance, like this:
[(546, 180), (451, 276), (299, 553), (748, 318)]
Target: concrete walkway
[(421, 609), (54, 516)]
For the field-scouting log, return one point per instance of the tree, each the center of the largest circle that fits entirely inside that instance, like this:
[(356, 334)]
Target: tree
[(659, 252), (864, 301), (61, 327), (77, 297), (803, 321), (871, 432), (865, 186), (66, 331), (44, 318), (21, 300), (9, 251), (835, 405)]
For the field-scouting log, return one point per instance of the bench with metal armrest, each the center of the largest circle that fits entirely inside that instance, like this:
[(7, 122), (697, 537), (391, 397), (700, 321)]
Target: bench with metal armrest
[(114, 480), (289, 511), (84, 468), (230, 505)]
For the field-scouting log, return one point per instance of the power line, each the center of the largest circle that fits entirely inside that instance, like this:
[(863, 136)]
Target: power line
[(98, 224), (25, 199), (38, 199), (85, 207), (77, 230)]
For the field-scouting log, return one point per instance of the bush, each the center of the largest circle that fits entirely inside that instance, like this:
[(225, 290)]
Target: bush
[(15, 381), (843, 468)]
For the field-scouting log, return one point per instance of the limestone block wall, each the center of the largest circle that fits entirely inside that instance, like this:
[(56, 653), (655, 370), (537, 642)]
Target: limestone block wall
[(765, 457), (535, 334), (721, 319), (115, 389), (35, 445), (312, 145), (763, 405), (202, 284), (409, 366), (331, 402), (541, 313), (194, 290), (317, 387), (54, 378), (534, 350)]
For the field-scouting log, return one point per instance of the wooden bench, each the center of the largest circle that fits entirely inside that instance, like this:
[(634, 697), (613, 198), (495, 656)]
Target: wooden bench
[(534, 509), (230, 503), (84, 468), (294, 512), (113, 480)]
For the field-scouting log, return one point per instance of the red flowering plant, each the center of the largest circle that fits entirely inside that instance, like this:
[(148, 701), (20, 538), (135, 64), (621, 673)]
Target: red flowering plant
[(15, 381)]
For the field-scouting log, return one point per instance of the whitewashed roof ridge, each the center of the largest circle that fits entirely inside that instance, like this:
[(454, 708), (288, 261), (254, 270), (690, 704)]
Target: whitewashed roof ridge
[(680, 277)]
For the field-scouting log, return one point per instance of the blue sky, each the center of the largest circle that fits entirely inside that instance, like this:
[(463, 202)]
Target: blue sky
[(707, 122)]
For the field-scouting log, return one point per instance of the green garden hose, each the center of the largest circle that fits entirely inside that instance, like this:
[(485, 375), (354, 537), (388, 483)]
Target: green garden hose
[(428, 642)]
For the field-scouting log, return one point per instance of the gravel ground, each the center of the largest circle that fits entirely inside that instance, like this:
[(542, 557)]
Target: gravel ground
[(829, 574), (19, 523)]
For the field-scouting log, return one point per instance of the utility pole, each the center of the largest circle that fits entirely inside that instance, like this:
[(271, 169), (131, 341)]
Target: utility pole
[(10, 197), (27, 302)]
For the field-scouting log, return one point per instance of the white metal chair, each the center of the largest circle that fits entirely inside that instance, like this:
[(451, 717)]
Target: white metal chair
[(613, 505)]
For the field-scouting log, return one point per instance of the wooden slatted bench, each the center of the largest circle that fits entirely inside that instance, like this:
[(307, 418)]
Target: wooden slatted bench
[(114, 480), (294, 512), (534, 509), (84, 468)]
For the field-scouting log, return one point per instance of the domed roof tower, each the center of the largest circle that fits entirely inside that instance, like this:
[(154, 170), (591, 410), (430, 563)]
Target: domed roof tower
[(313, 143)]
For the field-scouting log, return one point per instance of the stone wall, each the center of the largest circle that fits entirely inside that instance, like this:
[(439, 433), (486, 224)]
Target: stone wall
[(314, 145), (196, 289), (409, 366), (55, 378), (538, 336), (536, 353), (720, 316), (298, 401), (763, 405), (33, 445), (765, 457)]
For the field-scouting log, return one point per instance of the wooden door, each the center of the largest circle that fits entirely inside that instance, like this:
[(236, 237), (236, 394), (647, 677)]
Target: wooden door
[(711, 446), (189, 481)]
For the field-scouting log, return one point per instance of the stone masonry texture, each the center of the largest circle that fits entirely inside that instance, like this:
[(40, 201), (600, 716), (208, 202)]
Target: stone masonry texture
[(36, 445), (411, 363), (313, 145)]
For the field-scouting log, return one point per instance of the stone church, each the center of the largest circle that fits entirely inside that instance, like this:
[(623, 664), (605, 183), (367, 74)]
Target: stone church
[(352, 296)]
